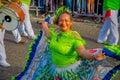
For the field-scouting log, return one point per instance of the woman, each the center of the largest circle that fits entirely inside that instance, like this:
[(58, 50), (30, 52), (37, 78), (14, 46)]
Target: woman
[(67, 44), (3, 57), (64, 56)]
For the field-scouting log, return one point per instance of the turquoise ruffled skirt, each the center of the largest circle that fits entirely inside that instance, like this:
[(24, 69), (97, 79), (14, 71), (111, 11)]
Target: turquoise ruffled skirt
[(39, 65)]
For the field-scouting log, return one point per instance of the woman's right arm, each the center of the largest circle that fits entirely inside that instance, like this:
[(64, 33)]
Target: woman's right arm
[(46, 29)]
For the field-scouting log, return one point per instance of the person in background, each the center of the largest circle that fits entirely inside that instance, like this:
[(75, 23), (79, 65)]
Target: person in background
[(26, 28), (81, 6), (110, 26), (90, 7), (52, 5), (3, 62), (69, 4), (16, 33), (60, 3), (32, 3)]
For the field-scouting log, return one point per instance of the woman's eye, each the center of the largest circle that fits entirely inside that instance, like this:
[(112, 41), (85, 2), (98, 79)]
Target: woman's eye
[(66, 20)]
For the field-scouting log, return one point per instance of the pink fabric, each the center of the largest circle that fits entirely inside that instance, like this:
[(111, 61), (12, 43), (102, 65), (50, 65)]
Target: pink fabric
[(92, 51)]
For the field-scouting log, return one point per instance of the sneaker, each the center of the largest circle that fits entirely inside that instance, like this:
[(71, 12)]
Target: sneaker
[(20, 42), (89, 14), (104, 42), (32, 37), (94, 14), (4, 64), (83, 12), (24, 34)]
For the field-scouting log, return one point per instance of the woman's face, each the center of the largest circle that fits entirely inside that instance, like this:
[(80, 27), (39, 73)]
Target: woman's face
[(65, 22)]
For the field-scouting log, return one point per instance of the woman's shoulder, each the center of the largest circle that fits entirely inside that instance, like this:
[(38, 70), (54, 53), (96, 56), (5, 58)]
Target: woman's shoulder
[(78, 39), (75, 34)]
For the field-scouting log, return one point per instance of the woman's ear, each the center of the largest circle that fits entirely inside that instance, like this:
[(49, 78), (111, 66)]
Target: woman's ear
[(71, 22)]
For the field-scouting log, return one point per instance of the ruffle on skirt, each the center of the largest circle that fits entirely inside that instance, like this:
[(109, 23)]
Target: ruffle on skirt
[(39, 66)]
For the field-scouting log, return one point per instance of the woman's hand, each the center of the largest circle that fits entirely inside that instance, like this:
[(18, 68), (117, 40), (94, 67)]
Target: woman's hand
[(44, 24), (99, 56)]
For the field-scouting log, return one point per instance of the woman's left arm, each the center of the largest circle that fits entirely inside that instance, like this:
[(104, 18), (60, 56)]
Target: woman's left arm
[(81, 50), (46, 29)]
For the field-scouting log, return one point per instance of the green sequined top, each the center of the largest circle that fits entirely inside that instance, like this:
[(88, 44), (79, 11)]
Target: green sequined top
[(63, 46)]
